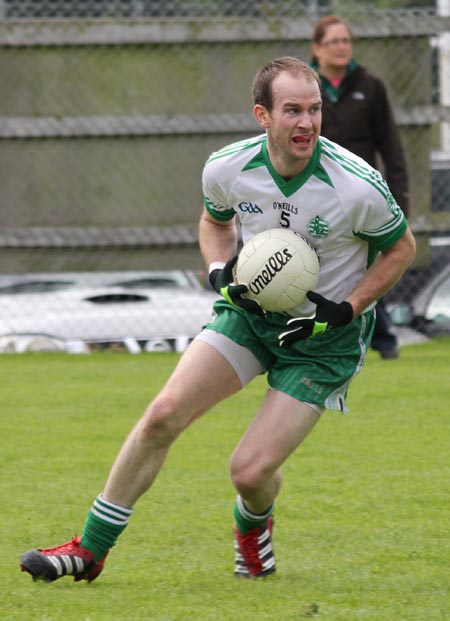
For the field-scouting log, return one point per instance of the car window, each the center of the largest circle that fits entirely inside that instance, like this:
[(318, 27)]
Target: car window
[(146, 283), (35, 286), (115, 298), (439, 305)]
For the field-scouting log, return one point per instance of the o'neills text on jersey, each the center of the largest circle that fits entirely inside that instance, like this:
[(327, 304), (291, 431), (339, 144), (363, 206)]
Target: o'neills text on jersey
[(274, 265), (285, 207)]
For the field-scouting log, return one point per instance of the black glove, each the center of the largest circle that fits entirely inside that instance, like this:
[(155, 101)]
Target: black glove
[(328, 315), (222, 279)]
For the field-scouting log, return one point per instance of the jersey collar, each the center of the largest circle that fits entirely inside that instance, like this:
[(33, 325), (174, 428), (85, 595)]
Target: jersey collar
[(289, 187)]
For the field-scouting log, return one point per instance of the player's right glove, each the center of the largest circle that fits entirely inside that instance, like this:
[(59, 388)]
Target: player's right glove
[(328, 315), (222, 282)]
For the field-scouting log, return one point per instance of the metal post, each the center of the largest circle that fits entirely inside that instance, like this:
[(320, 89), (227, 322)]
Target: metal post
[(443, 8)]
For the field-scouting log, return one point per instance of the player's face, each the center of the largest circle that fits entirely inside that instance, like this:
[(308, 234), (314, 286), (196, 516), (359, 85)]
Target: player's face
[(335, 50), (293, 125)]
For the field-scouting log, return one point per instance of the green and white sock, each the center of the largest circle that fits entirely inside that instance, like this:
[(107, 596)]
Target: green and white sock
[(104, 523), (246, 520)]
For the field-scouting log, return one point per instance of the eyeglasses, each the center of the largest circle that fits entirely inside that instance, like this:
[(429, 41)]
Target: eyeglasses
[(335, 42)]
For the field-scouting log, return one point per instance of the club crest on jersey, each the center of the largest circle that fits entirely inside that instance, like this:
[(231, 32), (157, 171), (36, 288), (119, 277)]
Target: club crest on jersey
[(319, 227)]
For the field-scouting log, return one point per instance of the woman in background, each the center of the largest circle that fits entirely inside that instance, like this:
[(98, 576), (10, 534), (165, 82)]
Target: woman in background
[(357, 114)]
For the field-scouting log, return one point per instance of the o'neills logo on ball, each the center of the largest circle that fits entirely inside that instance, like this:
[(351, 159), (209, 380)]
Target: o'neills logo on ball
[(274, 265)]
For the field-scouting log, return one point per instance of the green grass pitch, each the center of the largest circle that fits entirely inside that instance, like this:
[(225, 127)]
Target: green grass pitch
[(362, 522)]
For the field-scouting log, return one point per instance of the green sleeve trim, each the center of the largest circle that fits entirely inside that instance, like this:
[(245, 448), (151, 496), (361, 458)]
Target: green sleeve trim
[(382, 242), (222, 214)]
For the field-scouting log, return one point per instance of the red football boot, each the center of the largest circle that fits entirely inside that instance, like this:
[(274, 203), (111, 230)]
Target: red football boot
[(254, 552), (70, 559)]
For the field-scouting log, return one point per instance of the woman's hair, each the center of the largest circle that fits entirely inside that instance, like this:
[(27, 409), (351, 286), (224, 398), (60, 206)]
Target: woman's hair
[(262, 84), (324, 23), (322, 26)]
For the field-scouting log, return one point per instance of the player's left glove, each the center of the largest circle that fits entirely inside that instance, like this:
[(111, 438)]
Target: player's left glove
[(222, 279), (328, 315)]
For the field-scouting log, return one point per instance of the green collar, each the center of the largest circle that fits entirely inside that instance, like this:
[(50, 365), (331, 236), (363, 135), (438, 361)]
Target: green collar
[(289, 187)]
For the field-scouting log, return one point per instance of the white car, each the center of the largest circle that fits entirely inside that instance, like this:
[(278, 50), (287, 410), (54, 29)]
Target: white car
[(427, 306), (154, 310)]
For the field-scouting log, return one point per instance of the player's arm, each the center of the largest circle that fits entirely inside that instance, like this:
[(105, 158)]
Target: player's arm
[(218, 245), (383, 274), (217, 238)]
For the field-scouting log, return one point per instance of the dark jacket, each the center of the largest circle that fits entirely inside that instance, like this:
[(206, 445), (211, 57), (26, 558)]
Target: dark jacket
[(358, 116)]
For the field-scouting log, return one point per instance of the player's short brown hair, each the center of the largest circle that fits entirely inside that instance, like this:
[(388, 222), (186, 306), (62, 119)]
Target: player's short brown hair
[(262, 84)]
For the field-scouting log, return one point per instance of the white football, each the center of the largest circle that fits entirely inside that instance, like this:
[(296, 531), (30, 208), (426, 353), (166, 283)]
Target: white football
[(278, 266)]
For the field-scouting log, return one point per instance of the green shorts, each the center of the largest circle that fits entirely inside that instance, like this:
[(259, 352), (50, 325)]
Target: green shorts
[(317, 370)]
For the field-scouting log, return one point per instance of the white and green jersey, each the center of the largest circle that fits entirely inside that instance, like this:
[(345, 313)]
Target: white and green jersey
[(338, 202)]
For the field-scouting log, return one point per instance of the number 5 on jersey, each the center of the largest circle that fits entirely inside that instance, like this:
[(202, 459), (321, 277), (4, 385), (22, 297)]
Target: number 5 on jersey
[(284, 219)]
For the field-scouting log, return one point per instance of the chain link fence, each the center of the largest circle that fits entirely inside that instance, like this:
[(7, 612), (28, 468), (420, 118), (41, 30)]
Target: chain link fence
[(109, 110)]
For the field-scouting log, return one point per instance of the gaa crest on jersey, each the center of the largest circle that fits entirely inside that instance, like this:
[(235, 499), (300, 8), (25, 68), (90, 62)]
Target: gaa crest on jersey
[(318, 227), (249, 207)]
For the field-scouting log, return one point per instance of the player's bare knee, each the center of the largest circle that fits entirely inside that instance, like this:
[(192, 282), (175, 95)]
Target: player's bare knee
[(247, 480), (160, 425)]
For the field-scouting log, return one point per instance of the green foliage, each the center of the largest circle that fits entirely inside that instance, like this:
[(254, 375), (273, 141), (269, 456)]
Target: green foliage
[(362, 529)]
